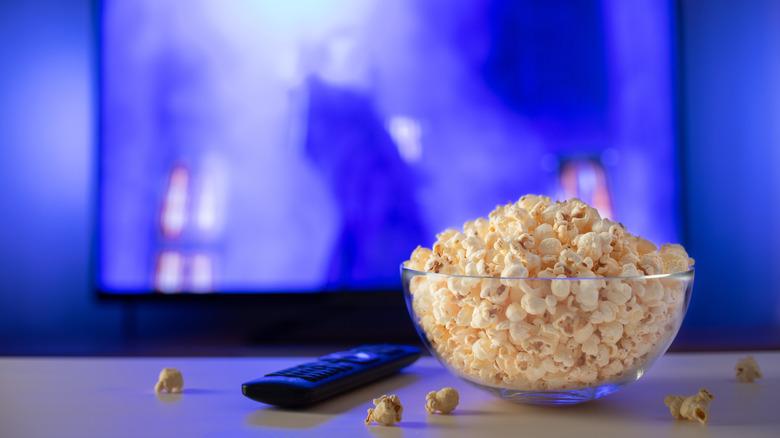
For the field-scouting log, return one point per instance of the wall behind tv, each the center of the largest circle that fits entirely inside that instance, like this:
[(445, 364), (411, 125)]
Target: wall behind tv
[(46, 157), (729, 133)]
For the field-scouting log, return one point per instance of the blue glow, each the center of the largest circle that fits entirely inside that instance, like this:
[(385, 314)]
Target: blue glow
[(729, 133)]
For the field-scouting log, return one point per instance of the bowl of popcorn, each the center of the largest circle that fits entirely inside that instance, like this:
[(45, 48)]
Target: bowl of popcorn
[(546, 302)]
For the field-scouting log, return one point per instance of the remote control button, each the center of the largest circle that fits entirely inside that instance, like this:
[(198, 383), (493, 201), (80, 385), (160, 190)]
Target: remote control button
[(356, 357), (343, 367), (312, 372)]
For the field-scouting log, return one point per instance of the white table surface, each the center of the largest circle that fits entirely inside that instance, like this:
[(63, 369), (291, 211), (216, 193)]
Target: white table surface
[(114, 397)]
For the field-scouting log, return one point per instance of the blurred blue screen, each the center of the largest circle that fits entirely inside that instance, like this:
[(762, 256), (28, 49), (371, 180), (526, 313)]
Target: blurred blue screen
[(299, 146)]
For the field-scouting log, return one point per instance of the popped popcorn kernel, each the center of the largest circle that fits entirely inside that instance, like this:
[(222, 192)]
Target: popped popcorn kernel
[(443, 401), (170, 380), (695, 407), (539, 298), (747, 369), (387, 410)]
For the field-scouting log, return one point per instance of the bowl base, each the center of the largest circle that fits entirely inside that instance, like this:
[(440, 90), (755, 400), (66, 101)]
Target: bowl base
[(550, 398)]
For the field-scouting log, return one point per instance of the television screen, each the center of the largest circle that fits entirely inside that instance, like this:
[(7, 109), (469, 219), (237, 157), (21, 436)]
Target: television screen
[(308, 146)]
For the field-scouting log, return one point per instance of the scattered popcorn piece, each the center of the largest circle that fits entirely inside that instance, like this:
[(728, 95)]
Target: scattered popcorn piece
[(747, 369), (170, 380), (388, 410), (695, 407), (557, 318), (444, 401)]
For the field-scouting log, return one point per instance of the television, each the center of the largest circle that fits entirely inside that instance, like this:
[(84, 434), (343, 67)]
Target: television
[(305, 148)]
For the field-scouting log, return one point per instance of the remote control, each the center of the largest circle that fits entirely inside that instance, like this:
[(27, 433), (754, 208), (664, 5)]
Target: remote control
[(329, 375)]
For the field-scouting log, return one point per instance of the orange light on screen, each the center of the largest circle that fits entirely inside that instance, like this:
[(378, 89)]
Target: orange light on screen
[(586, 179), (174, 210)]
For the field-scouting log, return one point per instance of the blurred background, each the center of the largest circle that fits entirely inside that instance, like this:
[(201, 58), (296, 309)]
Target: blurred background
[(662, 113)]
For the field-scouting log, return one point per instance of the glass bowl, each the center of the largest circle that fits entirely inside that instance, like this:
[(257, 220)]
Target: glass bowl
[(547, 340)]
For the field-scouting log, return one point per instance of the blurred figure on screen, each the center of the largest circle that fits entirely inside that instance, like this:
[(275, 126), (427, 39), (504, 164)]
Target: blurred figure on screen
[(373, 187)]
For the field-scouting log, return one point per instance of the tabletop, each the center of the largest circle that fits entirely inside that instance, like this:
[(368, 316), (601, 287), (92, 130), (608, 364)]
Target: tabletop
[(114, 397)]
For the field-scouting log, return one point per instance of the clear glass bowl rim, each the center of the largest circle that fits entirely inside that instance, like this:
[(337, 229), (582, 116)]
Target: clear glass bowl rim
[(689, 273)]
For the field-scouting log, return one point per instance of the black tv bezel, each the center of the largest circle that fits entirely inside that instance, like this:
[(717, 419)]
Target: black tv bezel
[(387, 305)]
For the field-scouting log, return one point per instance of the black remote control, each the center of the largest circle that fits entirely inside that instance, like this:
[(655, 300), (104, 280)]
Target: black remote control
[(330, 375)]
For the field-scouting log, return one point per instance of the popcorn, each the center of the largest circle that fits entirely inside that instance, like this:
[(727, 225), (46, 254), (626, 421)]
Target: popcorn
[(747, 369), (444, 401), (170, 380), (387, 410), (533, 305), (556, 317), (695, 407)]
